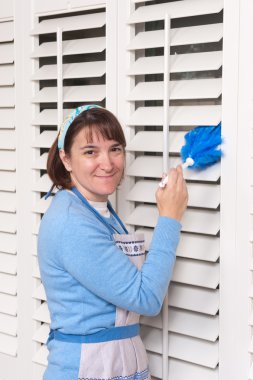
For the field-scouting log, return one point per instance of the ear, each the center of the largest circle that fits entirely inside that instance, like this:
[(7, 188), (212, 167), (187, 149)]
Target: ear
[(65, 160)]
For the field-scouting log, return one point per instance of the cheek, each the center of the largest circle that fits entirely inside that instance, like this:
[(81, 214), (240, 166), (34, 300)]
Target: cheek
[(83, 165), (121, 163)]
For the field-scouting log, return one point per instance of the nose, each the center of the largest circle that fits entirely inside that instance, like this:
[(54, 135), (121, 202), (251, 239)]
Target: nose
[(106, 163)]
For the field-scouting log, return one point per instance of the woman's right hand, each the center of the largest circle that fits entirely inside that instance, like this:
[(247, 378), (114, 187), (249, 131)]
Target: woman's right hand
[(172, 199)]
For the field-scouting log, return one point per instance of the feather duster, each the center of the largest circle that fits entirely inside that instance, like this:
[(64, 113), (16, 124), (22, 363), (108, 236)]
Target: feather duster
[(201, 149)]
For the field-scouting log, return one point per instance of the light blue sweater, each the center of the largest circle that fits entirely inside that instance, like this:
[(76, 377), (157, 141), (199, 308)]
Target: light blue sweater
[(86, 276)]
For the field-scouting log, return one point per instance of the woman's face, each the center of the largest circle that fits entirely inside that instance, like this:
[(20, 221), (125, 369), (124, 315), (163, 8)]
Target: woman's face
[(96, 167)]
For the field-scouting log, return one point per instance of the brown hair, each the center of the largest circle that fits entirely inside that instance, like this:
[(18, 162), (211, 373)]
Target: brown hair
[(98, 120)]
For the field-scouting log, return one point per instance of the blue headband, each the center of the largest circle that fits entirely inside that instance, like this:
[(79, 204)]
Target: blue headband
[(69, 120)]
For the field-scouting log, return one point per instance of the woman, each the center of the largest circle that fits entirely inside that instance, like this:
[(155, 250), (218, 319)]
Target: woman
[(91, 268)]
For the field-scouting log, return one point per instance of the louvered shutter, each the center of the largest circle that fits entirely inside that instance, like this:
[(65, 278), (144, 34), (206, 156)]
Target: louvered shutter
[(8, 238), (195, 99), (69, 70)]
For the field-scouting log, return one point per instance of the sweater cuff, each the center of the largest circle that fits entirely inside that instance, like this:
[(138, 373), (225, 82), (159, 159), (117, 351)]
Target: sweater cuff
[(166, 234)]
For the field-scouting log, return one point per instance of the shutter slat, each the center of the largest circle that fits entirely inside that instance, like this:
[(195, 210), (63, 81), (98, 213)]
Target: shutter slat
[(175, 9), (35, 228), (7, 118), (43, 184), (7, 139), (71, 94), (197, 221), (7, 201), (183, 89), (36, 269), (47, 94), (199, 247), (200, 195), (6, 75), (89, 93), (8, 304), (45, 139), (41, 356), (6, 31), (8, 263), (8, 284), (46, 117), (182, 347), (194, 298), (8, 243), (34, 246), (178, 63), (151, 166), (81, 22), (178, 116), (84, 46), (197, 273), (7, 160), (7, 97), (41, 162), (8, 324), (176, 141), (179, 36), (42, 205), (179, 369), (6, 53), (73, 70), (39, 293), (8, 344), (79, 46), (41, 334), (188, 323), (206, 248), (42, 314), (8, 222), (49, 117)]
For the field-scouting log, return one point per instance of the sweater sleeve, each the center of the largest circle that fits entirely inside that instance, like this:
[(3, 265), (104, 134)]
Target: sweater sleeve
[(90, 255)]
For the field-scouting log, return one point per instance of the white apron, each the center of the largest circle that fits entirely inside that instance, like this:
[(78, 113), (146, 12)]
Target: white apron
[(120, 359)]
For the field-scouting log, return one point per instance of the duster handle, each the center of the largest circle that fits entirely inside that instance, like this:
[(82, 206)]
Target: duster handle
[(186, 164)]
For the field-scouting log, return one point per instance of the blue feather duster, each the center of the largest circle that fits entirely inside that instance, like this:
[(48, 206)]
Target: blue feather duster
[(201, 149)]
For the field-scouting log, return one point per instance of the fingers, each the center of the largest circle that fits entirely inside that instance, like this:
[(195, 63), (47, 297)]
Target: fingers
[(172, 199)]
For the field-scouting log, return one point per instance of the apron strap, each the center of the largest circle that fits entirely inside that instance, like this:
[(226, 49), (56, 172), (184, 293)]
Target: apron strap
[(96, 213), (114, 333)]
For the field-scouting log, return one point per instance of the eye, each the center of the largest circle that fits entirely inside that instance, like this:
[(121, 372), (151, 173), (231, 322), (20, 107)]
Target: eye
[(117, 148), (89, 152)]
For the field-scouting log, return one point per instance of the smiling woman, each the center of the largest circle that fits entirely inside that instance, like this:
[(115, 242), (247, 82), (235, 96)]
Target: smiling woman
[(95, 169), (95, 133), (93, 271)]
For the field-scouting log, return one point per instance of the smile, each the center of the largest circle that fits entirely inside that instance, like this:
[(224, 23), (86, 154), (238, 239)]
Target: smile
[(106, 176)]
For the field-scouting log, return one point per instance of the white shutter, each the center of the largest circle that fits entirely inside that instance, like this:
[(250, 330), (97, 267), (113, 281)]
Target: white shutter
[(8, 220), (195, 99), (83, 81)]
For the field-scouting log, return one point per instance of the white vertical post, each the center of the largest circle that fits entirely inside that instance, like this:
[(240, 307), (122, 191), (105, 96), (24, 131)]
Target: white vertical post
[(165, 310), (59, 79)]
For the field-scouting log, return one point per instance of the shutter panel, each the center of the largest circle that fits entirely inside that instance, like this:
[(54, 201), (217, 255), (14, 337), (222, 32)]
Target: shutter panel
[(195, 99), (83, 81), (8, 220)]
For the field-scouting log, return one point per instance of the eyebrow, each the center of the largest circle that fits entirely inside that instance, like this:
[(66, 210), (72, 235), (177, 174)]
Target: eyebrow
[(90, 146)]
